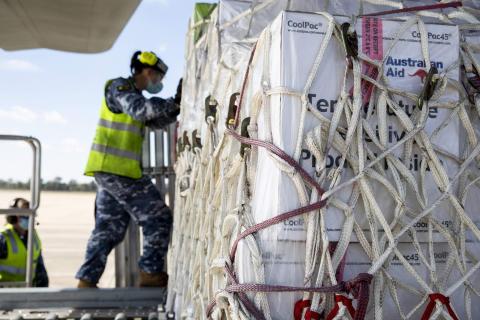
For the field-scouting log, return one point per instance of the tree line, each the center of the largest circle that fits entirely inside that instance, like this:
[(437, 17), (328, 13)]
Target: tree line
[(57, 184)]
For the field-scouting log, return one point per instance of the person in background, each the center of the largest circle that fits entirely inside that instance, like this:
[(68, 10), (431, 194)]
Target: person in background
[(124, 193), (13, 249)]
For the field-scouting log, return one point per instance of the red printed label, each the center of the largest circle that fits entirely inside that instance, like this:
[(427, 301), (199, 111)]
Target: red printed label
[(372, 46)]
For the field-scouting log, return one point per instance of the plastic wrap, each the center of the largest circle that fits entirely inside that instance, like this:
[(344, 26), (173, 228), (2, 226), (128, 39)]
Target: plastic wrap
[(277, 64), (406, 288), (404, 69), (222, 189), (283, 60)]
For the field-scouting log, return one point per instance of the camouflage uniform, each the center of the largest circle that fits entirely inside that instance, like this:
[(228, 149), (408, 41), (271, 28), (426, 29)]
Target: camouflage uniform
[(121, 198), (122, 96)]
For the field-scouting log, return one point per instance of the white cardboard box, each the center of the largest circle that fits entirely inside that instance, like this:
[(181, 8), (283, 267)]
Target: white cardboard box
[(295, 39), (293, 51), (283, 246)]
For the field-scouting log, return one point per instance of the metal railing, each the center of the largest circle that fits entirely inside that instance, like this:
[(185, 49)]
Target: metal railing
[(35, 185)]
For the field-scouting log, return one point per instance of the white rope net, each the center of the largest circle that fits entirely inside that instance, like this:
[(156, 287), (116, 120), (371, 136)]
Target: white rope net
[(390, 133)]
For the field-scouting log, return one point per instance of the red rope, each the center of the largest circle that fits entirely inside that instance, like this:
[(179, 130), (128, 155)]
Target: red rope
[(273, 221), (431, 306), (298, 309), (284, 216), (312, 315), (281, 154), (244, 86), (347, 302), (309, 314), (358, 287), (454, 4)]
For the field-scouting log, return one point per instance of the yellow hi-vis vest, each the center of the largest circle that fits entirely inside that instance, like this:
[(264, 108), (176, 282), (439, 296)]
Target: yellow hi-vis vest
[(117, 146), (14, 268)]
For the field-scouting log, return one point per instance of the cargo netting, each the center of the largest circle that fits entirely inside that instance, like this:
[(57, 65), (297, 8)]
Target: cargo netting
[(328, 162)]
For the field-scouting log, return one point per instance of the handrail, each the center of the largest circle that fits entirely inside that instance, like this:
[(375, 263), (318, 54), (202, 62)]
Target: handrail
[(18, 212), (35, 186)]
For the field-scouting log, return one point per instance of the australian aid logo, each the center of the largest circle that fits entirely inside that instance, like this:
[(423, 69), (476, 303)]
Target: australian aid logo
[(421, 73), (408, 67)]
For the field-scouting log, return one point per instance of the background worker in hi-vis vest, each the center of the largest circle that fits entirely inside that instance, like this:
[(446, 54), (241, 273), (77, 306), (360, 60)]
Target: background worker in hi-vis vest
[(13, 249), (115, 162)]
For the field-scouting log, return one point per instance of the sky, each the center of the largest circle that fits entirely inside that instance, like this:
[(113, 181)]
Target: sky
[(55, 96)]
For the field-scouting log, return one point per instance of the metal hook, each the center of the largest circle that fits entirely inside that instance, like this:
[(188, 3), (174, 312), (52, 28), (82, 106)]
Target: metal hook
[(232, 110), (350, 40), (428, 87), (210, 108), (196, 141), (244, 133), (186, 141), (180, 146)]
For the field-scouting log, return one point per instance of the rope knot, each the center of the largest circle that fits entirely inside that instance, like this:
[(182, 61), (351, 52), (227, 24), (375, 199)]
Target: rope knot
[(357, 286), (347, 302), (230, 273), (444, 300), (300, 305)]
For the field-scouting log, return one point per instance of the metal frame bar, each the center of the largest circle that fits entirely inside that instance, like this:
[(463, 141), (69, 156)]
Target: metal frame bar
[(36, 298), (160, 168), (35, 186), (171, 138)]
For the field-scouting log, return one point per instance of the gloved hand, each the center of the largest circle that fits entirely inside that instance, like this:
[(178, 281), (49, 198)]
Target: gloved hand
[(173, 108), (178, 95), (175, 112)]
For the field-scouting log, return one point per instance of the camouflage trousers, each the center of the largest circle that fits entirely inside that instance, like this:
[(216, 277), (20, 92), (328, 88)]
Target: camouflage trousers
[(119, 199)]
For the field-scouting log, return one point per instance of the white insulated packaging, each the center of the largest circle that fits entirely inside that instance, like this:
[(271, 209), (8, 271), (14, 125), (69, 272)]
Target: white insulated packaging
[(240, 22), (405, 70), (284, 55), (337, 127), (434, 265), (283, 61)]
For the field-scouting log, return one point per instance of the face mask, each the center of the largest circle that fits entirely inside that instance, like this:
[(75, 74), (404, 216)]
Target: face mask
[(154, 87), (23, 223)]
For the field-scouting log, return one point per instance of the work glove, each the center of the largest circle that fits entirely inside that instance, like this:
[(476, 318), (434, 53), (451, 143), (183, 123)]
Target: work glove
[(173, 108), (178, 95), (175, 112)]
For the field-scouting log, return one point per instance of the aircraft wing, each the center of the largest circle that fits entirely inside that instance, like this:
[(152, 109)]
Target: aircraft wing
[(85, 26)]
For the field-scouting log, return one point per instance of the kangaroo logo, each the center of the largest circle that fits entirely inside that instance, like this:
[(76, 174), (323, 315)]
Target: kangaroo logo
[(419, 73)]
